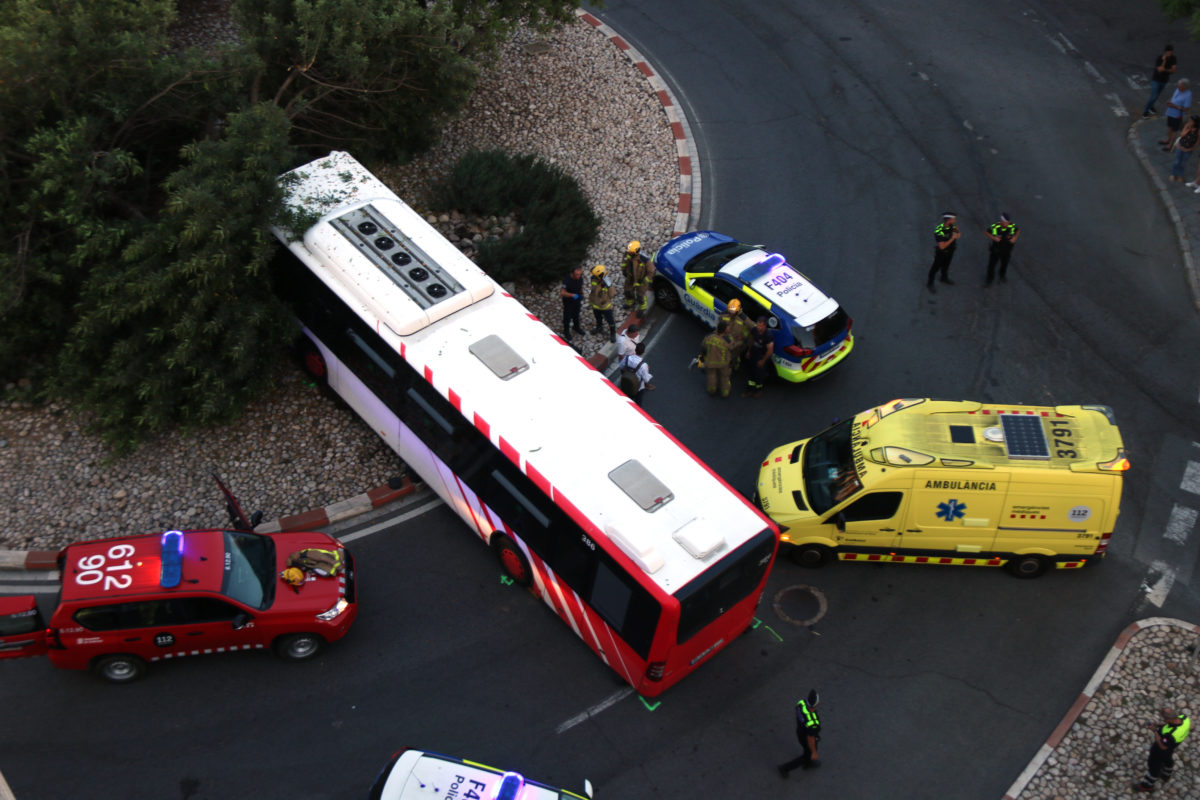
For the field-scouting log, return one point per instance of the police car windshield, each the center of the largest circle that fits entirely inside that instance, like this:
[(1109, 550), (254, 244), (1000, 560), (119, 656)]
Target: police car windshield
[(829, 476), (249, 569)]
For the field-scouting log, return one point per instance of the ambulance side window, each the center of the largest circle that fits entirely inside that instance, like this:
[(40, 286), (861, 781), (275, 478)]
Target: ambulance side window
[(877, 505)]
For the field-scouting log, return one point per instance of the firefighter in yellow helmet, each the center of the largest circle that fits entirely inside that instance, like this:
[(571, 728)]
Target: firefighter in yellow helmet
[(738, 328), (638, 272), (601, 300), (717, 358)]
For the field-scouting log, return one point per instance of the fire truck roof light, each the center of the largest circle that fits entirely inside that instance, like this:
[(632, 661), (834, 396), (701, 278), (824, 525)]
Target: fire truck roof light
[(172, 559)]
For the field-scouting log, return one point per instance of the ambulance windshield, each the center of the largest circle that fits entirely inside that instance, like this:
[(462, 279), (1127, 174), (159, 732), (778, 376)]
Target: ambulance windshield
[(829, 476)]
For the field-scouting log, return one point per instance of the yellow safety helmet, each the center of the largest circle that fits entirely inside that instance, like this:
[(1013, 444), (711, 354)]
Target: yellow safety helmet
[(598, 271), (734, 306), (634, 246), (293, 575)]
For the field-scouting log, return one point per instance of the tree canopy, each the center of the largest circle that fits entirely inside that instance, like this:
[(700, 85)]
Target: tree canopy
[(137, 179)]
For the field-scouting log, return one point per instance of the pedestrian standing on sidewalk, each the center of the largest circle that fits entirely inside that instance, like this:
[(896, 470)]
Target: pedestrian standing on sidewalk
[(572, 300), (1177, 109), (1166, 737), (1164, 68), (808, 731), (1004, 235), (1183, 148), (945, 237)]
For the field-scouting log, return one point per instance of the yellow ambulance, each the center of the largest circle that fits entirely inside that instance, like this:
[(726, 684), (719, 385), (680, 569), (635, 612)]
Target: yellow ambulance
[(922, 481)]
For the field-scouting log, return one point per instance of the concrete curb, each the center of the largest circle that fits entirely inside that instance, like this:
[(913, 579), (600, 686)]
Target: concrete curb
[(309, 520), (1085, 697), (687, 208), (688, 205), (1181, 233)]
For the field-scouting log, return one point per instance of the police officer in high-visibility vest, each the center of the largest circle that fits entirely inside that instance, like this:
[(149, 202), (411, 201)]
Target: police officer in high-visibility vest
[(601, 301), (945, 238), (1167, 736), (637, 271), (808, 731), (717, 357), (1004, 235)]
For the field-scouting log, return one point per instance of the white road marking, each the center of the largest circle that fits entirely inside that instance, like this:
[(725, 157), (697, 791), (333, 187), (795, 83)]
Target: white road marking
[(1182, 520), (377, 527), (1191, 478), (1095, 73), (612, 699), (1157, 594), (1057, 44), (1067, 42), (1137, 82), (1117, 106), (14, 588)]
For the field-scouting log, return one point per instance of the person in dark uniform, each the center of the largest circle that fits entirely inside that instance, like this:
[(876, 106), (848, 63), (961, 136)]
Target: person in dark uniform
[(945, 236), (762, 347), (572, 300), (808, 731), (1004, 235), (1167, 736), (1164, 68)]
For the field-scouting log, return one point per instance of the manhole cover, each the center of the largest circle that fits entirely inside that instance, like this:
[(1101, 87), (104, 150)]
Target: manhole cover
[(800, 604)]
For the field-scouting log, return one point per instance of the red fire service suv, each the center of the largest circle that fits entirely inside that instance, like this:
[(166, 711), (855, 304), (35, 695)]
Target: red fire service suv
[(131, 600)]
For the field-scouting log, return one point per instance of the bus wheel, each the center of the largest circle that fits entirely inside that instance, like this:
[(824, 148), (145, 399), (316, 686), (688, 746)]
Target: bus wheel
[(812, 555), (311, 358), (665, 295), (1029, 566), (513, 561), (120, 668)]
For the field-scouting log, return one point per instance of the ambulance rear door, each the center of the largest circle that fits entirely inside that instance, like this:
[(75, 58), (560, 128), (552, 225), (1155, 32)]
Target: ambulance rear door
[(955, 515), (22, 631)]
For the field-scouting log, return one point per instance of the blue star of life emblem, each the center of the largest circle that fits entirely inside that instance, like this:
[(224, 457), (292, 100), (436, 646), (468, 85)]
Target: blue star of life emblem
[(951, 510)]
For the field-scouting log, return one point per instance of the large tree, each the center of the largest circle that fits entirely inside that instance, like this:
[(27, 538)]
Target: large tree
[(136, 178)]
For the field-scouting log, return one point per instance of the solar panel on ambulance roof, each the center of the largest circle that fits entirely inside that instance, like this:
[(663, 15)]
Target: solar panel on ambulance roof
[(1024, 436)]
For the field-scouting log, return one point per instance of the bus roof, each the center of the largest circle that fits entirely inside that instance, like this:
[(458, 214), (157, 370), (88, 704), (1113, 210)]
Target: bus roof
[(918, 432), (589, 447)]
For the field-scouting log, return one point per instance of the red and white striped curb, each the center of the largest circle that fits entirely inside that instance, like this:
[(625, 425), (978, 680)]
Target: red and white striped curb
[(308, 521), (689, 165), (1085, 697)]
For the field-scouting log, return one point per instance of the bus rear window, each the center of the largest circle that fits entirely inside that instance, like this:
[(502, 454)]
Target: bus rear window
[(716, 591)]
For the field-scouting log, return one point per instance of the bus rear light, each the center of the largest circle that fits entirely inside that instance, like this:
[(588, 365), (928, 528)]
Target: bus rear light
[(655, 670)]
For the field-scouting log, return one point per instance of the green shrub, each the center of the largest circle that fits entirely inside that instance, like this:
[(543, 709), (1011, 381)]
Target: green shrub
[(558, 224)]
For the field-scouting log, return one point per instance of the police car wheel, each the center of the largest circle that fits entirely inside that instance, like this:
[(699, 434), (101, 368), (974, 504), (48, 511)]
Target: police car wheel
[(665, 295), (1029, 566), (298, 646), (811, 555), (512, 560), (120, 668)]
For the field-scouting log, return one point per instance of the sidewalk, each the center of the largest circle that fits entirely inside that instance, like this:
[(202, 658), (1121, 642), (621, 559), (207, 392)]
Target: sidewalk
[(1100, 747)]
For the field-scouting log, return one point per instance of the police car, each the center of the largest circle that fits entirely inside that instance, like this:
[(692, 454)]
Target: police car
[(702, 271), (128, 601), (419, 774)]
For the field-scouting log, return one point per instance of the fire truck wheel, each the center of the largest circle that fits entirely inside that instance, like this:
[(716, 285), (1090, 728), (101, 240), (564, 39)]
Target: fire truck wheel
[(512, 560), (812, 555), (120, 668), (1029, 566), (298, 646)]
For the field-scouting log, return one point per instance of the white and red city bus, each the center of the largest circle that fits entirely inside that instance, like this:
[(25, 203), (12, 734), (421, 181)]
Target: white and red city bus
[(653, 560)]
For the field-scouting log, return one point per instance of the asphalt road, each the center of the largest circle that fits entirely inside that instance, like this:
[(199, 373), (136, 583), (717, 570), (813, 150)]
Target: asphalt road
[(835, 133)]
